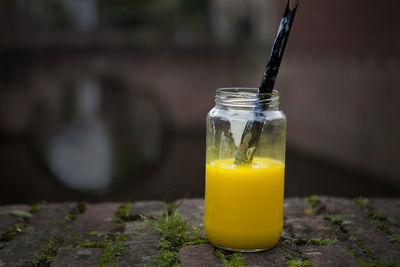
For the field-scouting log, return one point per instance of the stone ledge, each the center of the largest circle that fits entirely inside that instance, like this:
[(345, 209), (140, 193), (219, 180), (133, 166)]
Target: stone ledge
[(322, 231)]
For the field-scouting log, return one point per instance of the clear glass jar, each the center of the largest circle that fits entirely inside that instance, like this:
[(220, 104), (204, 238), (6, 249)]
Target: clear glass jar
[(244, 203)]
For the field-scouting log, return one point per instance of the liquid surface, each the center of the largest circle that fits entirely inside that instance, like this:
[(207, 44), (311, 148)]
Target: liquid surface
[(244, 204)]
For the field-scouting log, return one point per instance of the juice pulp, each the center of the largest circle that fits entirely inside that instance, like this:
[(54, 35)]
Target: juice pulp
[(244, 204)]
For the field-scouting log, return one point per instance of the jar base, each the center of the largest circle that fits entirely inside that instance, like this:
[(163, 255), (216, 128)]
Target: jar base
[(242, 250)]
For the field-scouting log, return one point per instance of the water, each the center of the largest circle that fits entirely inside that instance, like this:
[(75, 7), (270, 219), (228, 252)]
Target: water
[(71, 129)]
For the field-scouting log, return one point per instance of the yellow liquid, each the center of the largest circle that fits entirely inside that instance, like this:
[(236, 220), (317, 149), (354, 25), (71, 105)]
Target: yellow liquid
[(244, 204)]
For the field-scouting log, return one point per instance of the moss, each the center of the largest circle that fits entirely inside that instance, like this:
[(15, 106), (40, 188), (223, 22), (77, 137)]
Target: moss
[(290, 250), (379, 219), (382, 227), (392, 221), (288, 256), (285, 249), (361, 202), (300, 241), (337, 219), (377, 215), (289, 229), (88, 244), (75, 211), (21, 214), (115, 246), (46, 255), (12, 231), (166, 258), (364, 249), (313, 200), (112, 246), (237, 259), (233, 260), (123, 212), (314, 241), (358, 259), (394, 238), (373, 213), (293, 263), (175, 234), (218, 253), (34, 208), (375, 263), (322, 242)]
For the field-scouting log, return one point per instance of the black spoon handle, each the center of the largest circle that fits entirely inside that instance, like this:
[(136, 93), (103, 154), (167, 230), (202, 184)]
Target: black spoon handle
[(252, 131)]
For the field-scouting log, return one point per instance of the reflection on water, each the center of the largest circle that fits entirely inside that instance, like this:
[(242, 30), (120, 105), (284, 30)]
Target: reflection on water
[(81, 155), (83, 14), (96, 133)]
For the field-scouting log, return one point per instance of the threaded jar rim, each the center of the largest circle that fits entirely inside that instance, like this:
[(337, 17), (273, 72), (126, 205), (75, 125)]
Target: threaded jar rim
[(246, 97)]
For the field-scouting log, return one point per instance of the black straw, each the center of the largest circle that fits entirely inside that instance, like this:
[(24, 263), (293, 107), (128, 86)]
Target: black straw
[(252, 131)]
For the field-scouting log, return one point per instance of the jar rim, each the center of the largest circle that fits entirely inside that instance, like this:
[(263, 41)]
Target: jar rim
[(246, 97)]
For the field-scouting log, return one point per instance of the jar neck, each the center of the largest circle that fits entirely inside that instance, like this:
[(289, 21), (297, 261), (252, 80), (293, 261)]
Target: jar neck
[(246, 98)]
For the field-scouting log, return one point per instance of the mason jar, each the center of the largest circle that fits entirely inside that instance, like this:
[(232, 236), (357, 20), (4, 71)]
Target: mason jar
[(244, 202)]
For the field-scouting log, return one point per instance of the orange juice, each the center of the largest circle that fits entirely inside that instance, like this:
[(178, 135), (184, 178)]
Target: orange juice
[(244, 204)]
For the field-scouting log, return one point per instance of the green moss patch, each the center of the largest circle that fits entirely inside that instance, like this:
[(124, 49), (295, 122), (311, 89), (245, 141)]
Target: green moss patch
[(289, 246), (314, 241), (337, 219), (293, 263), (366, 250), (394, 238), (34, 208), (175, 234), (21, 214), (77, 210), (13, 231), (361, 202), (313, 200), (115, 246), (122, 214), (112, 245), (233, 260), (46, 255), (379, 219)]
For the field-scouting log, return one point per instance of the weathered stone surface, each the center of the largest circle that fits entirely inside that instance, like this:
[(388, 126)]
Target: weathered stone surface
[(92, 225), (312, 227), (147, 208), (79, 257), (6, 209), (374, 239), (44, 224), (334, 256), (296, 207), (51, 214), (8, 220), (199, 256), (340, 206), (360, 226), (193, 211), (270, 258), (390, 206), (141, 244)]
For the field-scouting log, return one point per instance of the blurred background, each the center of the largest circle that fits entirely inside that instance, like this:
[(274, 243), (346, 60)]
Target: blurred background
[(107, 99)]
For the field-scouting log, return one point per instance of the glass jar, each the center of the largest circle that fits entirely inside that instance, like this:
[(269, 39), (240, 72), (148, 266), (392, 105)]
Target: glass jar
[(244, 203)]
